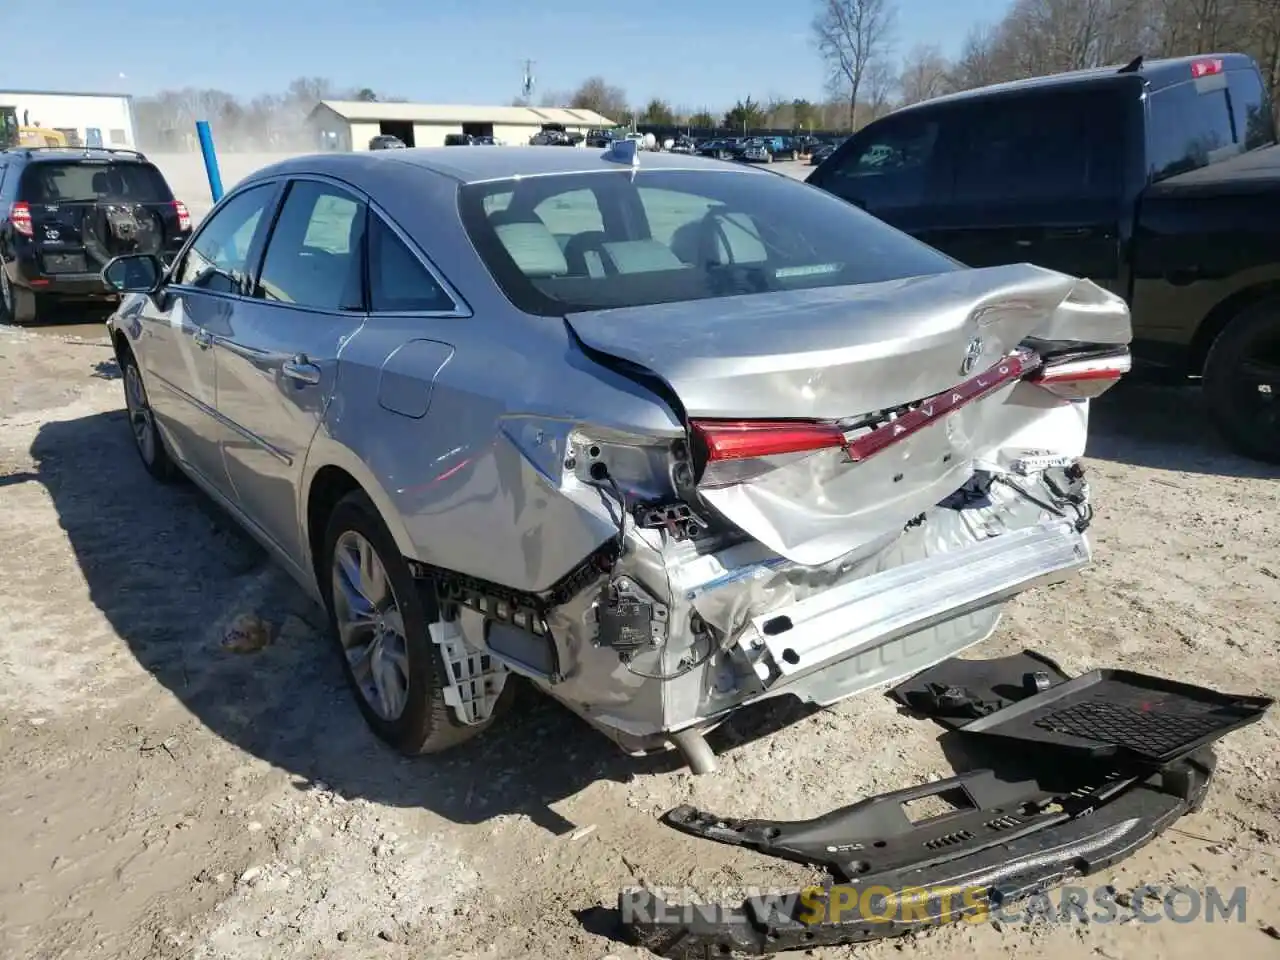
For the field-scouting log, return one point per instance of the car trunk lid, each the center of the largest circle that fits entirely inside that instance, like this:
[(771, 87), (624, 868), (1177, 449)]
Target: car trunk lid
[(826, 418)]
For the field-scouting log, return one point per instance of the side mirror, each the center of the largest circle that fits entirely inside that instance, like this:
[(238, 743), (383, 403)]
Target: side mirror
[(135, 273)]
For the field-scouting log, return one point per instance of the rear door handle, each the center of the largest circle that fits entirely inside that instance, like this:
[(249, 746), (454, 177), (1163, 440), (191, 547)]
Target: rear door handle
[(301, 369), (203, 338)]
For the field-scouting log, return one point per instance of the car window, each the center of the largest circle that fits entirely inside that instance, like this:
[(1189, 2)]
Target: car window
[(397, 278), (704, 234), (217, 260), (891, 166), (574, 211), (1251, 109), (1055, 146), (1189, 125), (92, 181), (314, 254)]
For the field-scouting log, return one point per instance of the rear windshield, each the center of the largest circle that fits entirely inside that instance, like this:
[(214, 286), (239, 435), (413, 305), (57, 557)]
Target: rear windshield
[(93, 180), (572, 242), (1199, 122)]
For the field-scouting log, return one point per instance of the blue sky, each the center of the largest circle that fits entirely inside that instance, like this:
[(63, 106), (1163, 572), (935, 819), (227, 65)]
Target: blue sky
[(692, 53)]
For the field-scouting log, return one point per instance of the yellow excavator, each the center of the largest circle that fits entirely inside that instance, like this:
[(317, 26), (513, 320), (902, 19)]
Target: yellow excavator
[(14, 135)]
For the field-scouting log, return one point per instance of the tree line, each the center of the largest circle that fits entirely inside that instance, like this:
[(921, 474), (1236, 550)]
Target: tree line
[(867, 74)]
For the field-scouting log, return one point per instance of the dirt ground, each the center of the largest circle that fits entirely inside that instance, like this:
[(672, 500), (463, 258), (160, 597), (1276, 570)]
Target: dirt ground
[(165, 798)]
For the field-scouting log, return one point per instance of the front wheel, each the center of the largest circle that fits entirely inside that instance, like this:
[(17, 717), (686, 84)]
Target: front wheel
[(1242, 382), (142, 423), (404, 660)]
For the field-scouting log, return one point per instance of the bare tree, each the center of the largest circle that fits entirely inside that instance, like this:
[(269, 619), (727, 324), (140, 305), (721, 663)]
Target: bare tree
[(851, 35), (880, 83), (924, 74), (606, 100), (979, 62)]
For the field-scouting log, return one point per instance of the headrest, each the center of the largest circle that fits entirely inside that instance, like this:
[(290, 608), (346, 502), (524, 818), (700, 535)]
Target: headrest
[(533, 247), (642, 256)]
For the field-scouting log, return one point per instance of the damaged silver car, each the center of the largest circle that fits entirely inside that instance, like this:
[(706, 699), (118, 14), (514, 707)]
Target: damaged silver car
[(663, 436)]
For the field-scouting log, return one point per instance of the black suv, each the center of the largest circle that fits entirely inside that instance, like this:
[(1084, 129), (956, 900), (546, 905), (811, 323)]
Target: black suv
[(65, 213)]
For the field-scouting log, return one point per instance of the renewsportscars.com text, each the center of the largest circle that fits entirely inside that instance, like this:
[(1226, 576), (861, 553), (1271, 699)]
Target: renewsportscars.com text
[(849, 903)]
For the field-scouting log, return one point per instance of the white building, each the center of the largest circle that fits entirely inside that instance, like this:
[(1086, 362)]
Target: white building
[(351, 124), (87, 119)]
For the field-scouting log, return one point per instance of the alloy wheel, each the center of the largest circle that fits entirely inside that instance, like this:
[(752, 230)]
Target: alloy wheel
[(370, 625), (140, 418)]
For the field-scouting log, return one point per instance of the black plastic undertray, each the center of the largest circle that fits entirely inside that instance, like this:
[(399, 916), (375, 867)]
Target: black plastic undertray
[(1122, 715)]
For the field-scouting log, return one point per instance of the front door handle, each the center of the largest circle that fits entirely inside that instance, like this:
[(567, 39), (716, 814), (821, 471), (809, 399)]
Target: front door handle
[(203, 338), (301, 369)]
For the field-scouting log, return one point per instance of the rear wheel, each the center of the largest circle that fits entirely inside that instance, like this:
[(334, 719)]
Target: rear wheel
[(394, 641), (1242, 382), (16, 304)]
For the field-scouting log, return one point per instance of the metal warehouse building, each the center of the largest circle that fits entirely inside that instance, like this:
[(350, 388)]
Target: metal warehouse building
[(86, 119), (351, 124)]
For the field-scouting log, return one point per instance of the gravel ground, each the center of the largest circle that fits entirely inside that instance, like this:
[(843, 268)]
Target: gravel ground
[(165, 798)]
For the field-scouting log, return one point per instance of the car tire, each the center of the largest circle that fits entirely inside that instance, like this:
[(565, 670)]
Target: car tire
[(1246, 414), (17, 305), (147, 439), (424, 721)]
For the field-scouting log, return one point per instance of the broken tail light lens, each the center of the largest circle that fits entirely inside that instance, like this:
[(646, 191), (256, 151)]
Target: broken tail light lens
[(1083, 378), (20, 217), (1205, 68), (184, 215)]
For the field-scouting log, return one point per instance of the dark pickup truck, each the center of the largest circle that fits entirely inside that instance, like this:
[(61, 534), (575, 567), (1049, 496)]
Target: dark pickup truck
[(1158, 180)]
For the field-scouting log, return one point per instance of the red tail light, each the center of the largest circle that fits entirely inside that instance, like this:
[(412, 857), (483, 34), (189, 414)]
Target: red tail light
[(749, 439), (741, 450), (1205, 68), (184, 216), (1083, 378), (20, 217)]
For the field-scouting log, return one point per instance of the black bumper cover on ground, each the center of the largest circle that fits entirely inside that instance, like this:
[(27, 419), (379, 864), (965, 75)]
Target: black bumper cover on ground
[(1083, 844), (1100, 765)]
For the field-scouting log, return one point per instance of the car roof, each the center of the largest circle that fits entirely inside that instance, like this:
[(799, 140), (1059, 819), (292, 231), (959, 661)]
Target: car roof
[(1156, 74), (476, 166), (63, 154)]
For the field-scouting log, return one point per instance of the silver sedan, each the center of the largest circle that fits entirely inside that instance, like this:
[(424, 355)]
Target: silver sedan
[(662, 435)]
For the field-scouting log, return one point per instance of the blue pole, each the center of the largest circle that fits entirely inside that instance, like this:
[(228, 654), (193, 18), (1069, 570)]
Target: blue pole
[(210, 159)]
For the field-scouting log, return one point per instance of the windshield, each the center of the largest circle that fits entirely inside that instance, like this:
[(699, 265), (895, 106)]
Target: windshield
[(572, 242), (88, 180)]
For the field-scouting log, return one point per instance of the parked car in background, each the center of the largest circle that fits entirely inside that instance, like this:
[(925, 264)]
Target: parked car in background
[(806, 143), (386, 141), (686, 145), (747, 441), (550, 138), (823, 150), (718, 148), (600, 138), (755, 150), (1159, 180), (767, 149), (65, 213)]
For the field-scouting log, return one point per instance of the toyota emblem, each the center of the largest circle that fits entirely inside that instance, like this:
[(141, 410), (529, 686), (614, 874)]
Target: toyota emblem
[(972, 354)]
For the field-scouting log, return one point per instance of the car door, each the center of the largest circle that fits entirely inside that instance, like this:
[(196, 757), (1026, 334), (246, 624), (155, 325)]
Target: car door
[(898, 169), (1038, 179), (181, 322), (278, 361)]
